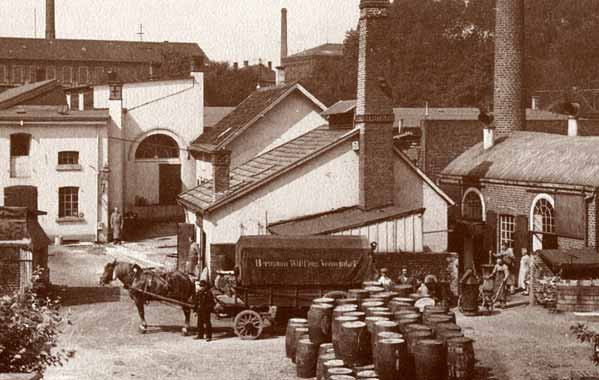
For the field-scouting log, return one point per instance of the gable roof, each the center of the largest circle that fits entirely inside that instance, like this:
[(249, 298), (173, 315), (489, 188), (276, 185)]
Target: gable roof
[(328, 49), (20, 94), (50, 115), (532, 157), (267, 166), (39, 49), (249, 111), (212, 115), (412, 117)]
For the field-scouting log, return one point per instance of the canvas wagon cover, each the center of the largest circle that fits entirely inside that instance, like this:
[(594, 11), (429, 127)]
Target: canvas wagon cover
[(310, 261)]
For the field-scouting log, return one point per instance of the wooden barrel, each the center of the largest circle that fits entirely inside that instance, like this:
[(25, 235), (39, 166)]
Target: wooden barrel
[(336, 329), (335, 363), (415, 296), (446, 327), (372, 290), (342, 309), (384, 296), (368, 284), (406, 314), (417, 327), (325, 348), (324, 300), (404, 290), (346, 301), (460, 359), (394, 305), (387, 314), (370, 321), (358, 294), (369, 311), (414, 337), (298, 333), (305, 358), (366, 374), (360, 368), (364, 306), (403, 299), (379, 327), (338, 371), (319, 323), (445, 335), (430, 360), (404, 322), (353, 344), (292, 324), (358, 314), (320, 368), (410, 308), (342, 377), (433, 320), (392, 360)]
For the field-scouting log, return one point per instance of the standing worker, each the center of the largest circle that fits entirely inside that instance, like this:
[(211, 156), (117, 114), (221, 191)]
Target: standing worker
[(502, 281), (116, 224), (193, 258), (507, 255), (204, 303), (384, 280), (524, 269)]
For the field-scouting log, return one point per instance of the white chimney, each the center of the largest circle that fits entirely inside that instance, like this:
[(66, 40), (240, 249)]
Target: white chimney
[(572, 126), (488, 137), (280, 75)]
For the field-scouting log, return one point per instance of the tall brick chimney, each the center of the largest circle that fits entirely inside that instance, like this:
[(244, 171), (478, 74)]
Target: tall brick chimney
[(374, 110), (50, 22), (283, 34), (509, 102)]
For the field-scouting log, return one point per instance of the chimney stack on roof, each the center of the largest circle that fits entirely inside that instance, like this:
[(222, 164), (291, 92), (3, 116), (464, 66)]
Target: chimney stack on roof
[(50, 22), (284, 51), (221, 166), (235, 66), (374, 110), (509, 105), (246, 63)]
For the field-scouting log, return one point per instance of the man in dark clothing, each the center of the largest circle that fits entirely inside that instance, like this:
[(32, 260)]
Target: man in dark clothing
[(204, 303)]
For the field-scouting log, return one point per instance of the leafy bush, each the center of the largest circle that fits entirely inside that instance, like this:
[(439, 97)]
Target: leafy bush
[(583, 334), (29, 329)]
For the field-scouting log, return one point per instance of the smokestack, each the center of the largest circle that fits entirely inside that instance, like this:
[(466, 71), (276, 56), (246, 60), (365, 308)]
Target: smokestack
[(283, 34), (50, 22), (374, 111), (509, 106)]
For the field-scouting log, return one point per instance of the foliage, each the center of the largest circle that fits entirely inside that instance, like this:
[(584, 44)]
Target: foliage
[(583, 334), (29, 329), (227, 86)]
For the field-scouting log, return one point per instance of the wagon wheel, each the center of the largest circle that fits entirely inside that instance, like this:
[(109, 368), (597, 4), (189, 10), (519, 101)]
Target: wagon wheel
[(336, 294), (248, 325)]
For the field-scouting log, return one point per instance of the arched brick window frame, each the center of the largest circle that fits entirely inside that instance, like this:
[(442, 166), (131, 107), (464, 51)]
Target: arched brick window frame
[(474, 192)]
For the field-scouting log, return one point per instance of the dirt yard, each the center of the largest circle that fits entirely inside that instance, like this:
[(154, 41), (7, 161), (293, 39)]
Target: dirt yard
[(524, 343)]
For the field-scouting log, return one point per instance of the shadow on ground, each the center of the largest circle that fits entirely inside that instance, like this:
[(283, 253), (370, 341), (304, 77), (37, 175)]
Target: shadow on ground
[(84, 295)]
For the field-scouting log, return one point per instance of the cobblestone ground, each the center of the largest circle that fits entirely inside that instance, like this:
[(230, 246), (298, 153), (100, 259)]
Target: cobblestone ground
[(524, 343)]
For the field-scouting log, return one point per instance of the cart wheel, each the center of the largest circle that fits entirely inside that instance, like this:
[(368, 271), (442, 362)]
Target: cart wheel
[(336, 294), (248, 325)]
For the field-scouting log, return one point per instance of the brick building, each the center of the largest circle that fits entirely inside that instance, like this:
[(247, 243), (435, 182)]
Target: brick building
[(23, 248), (85, 62)]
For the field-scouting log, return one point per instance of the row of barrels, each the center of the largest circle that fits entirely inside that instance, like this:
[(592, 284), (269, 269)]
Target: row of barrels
[(376, 334)]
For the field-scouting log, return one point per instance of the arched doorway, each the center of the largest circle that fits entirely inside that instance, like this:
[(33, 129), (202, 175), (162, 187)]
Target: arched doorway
[(542, 222), (157, 156), (472, 227)]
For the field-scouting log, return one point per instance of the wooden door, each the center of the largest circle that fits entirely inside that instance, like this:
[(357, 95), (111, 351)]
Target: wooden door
[(169, 183)]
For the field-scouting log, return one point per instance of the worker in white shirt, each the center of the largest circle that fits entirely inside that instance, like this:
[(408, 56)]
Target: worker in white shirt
[(384, 279)]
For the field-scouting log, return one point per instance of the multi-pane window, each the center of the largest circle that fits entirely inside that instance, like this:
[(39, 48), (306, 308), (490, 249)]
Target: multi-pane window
[(50, 72), (67, 75), (68, 158), (68, 201), (3, 74), (157, 146), (83, 75), (473, 208), (544, 219), (507, 227)]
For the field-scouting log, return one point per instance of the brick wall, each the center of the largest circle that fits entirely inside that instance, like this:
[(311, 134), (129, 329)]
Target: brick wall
[(442, 265), (9, 270)]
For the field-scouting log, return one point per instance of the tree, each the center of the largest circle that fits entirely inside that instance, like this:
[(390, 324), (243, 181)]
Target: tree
[(227, 86)]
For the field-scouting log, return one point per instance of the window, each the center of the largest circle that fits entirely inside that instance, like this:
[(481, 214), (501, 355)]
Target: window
[(83, 75), (507, 226), (68, 158), (472, 207), (20, 144), (3, 74), (543, 218), (68, 202), (157, 146), (50, 72), (67, 75)]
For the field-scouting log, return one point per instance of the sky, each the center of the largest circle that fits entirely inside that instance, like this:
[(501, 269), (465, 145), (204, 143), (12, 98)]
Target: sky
[(232, 30)]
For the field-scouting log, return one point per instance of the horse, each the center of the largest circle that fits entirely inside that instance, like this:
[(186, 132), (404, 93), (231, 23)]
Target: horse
[(122, 271), (141, 282)]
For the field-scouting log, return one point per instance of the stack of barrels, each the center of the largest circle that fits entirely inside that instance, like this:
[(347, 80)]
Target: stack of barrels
[(376, 334)]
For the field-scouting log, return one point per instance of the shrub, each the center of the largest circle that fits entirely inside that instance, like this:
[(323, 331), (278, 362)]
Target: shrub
[(583, 334), (29, 329)]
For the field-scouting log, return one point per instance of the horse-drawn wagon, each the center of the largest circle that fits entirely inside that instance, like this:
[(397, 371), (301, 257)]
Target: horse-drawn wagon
[(278, 273)]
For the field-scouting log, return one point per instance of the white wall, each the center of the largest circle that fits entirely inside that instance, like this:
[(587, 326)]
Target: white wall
[(291, 118), (435, 220), (46, 142)]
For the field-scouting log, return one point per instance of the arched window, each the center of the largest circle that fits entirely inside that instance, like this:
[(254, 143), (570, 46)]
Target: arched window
[(543, 217), (472, 208), (157, 146)]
